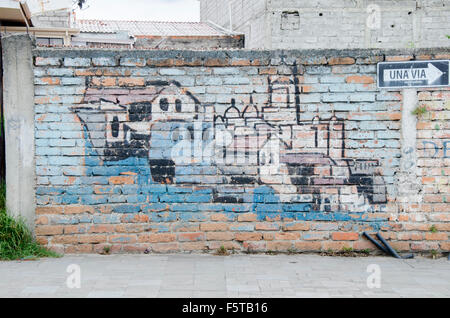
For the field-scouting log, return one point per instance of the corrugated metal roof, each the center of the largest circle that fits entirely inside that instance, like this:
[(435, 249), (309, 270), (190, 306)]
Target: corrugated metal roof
[(149, 28)]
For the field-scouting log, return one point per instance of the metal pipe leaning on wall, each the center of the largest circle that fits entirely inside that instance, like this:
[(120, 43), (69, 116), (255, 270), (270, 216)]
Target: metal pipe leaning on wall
[(381, 247), (389, 248), (386, 248)]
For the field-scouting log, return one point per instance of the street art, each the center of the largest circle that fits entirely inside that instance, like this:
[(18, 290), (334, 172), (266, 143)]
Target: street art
[(431, 147), (295, 161)]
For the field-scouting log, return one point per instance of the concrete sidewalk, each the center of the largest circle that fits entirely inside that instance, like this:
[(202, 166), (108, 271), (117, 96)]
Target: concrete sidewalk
[(231, 276)]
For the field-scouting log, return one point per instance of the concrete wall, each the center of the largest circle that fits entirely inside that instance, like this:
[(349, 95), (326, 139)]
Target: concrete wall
[(52, 19), (191, 42), (282, 151), (290, 24), (247, 17), (18, 99)]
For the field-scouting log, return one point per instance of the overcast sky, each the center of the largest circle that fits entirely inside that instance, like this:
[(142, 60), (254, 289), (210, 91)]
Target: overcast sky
[(155, 10)]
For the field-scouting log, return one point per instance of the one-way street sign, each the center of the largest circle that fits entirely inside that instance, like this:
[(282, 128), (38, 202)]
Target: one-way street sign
[(413, 74)]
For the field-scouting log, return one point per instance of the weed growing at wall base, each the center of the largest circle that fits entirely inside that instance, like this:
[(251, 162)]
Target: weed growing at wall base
[(16, 241)]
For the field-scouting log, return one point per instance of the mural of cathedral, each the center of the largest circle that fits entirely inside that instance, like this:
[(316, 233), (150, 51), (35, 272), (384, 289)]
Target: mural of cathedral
[(299, 158)]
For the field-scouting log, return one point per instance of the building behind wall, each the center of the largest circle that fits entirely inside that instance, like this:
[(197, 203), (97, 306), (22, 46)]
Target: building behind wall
[(56, 24), (341, 24)]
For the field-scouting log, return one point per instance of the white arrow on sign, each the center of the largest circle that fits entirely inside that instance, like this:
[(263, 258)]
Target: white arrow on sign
[(430, 74)]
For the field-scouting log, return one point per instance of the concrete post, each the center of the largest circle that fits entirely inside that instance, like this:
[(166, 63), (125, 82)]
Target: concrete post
[(18, 99), (408, 184)]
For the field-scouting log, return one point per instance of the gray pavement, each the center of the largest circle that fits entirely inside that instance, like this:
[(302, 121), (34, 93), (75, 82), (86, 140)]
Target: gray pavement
[(237, 276)]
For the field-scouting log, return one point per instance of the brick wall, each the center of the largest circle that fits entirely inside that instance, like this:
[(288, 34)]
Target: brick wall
[(174, 151), (429, 229)]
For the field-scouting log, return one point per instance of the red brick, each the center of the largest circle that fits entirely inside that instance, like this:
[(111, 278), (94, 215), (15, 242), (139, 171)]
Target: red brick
[(399, 58), (445, 246), (50, 80), (191, 237), (360, 79), (336, 246), (41, 220), (42, 240), (104, 228), (214, 246), (161, 62), (75, 229), (445, 227), (75, 209), (268, 71), (408, 236), (298, 226), (219, 217), (213, 227), (49, 210), (217, 62), (129, 228), (307, 246), (89, 72), (219, 236), (193, 246), (138, 218), (92, 239), (247, 217), (279, 246), (79, 249), (185, 228), (363, 245), (436, 236), (165, 248), (66, 239), (255, 246), (287, 236), (121, 180), (122, 239), (130, 82), (241, 62), (442, 56), (49, 230), (345, 236), (244, 236), (104, 81), (341, 61), (268, 236), (424, 246), (135, 248), (401, 246), (267, 226), (157, 238)]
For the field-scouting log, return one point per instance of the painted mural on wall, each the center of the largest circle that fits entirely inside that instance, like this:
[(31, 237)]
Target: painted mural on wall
[(294, 165)]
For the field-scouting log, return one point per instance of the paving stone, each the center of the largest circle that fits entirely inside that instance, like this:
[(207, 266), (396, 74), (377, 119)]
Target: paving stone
[(238, 276)]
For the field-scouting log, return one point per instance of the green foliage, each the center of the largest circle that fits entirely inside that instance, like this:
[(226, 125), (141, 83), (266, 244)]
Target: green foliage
[(106, 250), (222, 251), (433, 229), (420, 111), (16, 241), (434, 254), (292, 251)]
